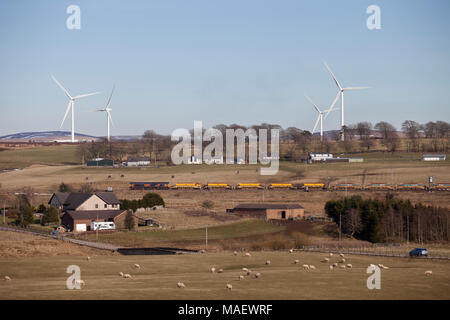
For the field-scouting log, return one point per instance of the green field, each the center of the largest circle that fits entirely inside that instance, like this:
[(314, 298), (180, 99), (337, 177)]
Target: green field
[(45, 277), (51, 155), (152, 238)]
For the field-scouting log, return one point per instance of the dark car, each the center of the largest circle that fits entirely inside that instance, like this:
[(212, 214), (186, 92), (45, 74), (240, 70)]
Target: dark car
[(418, 252)]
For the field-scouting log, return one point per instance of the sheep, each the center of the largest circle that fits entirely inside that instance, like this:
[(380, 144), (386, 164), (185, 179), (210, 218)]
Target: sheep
[(247, 254), (180, 285), (291, 250), (80, 282), (88, 258), (137, 266), (220, 271), (257, 275), (427, 273), (312, 267), (349, 266), (331, 254), (268, 262), (7, 278), (121, 274), (241, 277), (341, 261), (296, 261), (249, 272), (127, 276), (235, 253), (342, 266), (305, 267), (331, 267), (245, 269), (325, 260), (229, 286), (341, 254), (213, 270), (335, 265), (202, 251)]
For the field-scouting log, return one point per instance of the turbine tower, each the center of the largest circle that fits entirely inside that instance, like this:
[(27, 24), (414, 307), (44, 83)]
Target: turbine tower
[(108, 110), (71, 105), (341, 94), (320, 116)]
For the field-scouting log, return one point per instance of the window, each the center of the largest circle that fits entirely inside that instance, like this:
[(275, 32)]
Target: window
[(106, 206), (96, 205)]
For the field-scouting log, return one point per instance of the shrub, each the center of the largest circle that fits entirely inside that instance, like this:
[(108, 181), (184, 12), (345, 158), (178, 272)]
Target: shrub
[(300, 240)]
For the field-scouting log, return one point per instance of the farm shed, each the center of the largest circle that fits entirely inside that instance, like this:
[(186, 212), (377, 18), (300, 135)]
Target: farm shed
[(100, 162), (138, 161), (269, 211), (80, 221), (434, 157)]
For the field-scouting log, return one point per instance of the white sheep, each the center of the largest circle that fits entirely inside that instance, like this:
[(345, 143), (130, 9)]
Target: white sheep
[(241, 277), (331, 254), (428, 273), (335, 265), (7, 278), (312, 267), (88, 258), (305, 267), (267, 262), (325, 260), (341, 254), (202, 251), (245, 269), (349, 266), (137, 266), (235, 253), (257, 275), (342, 266), (249, 272), (127, 276), (341, 261), (291, 250), (296, 261), (180, 285), (229, 286), (121, 274), (247, 254), (213, 269), (331, 267), (220, 271)]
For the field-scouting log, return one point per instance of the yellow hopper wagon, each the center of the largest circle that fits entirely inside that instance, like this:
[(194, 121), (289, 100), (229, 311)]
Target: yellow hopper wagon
[(193, 186), (242, 186), (281, 186), (211, 186)]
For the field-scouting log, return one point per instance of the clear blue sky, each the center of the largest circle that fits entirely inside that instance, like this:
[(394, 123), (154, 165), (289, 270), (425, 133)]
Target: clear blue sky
[(233, 61)]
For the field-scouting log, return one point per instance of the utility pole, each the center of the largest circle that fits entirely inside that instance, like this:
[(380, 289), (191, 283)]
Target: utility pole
[(340, 230), (206, 239), (4, 211), (96, 229)]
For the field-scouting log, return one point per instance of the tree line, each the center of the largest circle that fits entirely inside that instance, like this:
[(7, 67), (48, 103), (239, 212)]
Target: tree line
[(389, 220)]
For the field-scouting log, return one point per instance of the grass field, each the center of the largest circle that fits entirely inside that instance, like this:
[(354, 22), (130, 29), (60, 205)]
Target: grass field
[(45, 277)]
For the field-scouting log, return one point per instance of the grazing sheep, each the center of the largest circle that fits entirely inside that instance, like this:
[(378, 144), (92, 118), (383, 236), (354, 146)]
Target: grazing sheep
[(241, 277), (249, 272), (7, 278), (305, 267), (291, 250), (257, 275), (349, 266), (325, 260), (341, 254), (331, 254), (427, 273), (245, 269), (235, 253), (296, 261), (312, 267), (121, 274), (80, 282), (335, 265), (331, 267), (341, 261), (342, 266), (202, 251), (127, 276), (229, 286), (213, 269), (267, 262), (247, 254), (137, 266), (180, 285), (88, 258), (220, 271)]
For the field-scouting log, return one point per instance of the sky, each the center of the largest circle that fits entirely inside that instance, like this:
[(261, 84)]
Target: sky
[(221, 61)]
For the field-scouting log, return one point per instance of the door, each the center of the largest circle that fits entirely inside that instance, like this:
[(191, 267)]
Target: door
[(283, 214)]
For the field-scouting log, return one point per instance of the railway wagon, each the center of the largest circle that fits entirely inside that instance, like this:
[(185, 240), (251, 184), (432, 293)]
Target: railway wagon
[(410, 186), (281, 186), (440, 186), (193, 186), (379, 186), (242, 186), (309, 186), (211, 186), (347, 186), (149, 185)]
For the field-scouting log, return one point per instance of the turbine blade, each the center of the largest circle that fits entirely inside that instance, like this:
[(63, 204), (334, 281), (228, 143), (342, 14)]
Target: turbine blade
[(86, 95), (109, 100), (315, 125), (332, 105), (314, 105), (332, 74), (356, 88), (61, 87), (67, 112)]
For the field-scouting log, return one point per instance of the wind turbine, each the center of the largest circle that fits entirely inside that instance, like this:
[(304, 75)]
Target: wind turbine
[(341, 93), (108, 110), (71, 105), (320, 116)]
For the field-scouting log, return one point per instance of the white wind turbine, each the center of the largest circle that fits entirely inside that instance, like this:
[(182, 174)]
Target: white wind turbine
[(340, 93), (108, 110), (320, 116), (71, 105)]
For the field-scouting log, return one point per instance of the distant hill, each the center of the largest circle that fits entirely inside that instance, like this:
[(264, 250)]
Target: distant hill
[(46, 136)]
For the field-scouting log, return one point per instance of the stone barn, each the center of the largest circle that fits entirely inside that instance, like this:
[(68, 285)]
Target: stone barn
[(270, 211)]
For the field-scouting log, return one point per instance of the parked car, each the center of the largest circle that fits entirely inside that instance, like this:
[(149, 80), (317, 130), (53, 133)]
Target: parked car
[(418, 252)]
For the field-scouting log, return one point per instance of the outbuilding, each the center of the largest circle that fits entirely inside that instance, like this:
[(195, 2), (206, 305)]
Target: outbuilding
[(80, 221), (434, 157), (269, 211)]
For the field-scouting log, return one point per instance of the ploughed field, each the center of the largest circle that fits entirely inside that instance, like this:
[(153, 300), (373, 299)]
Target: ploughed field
[(157, 277)]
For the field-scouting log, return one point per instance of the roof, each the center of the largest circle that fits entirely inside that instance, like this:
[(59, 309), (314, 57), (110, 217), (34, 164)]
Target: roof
[(108, 197), (60, 196), (75, 199), (263, 206), (135, 159), (94, 214)]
